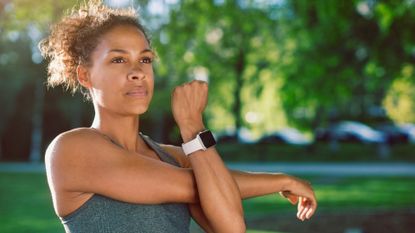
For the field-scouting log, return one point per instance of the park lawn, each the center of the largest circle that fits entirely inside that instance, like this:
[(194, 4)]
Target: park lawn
[(25, 203), (345, 194)]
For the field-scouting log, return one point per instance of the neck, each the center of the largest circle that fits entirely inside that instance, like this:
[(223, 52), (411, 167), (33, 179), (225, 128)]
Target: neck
[(121, 129)]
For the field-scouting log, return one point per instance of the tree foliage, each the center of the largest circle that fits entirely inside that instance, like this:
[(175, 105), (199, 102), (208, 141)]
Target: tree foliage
[(342, 57), (234, 45)]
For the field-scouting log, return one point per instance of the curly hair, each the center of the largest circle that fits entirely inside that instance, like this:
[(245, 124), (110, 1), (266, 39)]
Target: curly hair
[(74, 38)]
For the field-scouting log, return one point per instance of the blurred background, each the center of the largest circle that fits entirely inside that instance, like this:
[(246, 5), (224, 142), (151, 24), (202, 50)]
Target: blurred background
[(320, 89)]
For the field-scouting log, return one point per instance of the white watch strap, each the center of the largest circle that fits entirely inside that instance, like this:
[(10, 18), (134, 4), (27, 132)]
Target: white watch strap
[(192, 146)]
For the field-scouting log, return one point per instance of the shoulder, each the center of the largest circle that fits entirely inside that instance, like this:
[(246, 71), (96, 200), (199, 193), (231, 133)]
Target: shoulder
[(178, 154), (75, 155), (72, 136), (70, 140), (70, 147)]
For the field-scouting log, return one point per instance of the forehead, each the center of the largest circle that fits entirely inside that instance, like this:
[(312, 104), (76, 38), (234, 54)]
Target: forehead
[(123, 37)]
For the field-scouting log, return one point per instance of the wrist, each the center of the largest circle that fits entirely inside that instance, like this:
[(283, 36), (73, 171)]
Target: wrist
[(287, 182), (189, 131), (203, 140)]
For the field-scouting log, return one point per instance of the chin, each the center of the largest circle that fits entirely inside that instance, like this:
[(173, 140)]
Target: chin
[(137, 108), (140, 110)]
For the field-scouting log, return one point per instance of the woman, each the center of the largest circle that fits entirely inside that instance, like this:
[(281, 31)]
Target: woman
[(109, 177)]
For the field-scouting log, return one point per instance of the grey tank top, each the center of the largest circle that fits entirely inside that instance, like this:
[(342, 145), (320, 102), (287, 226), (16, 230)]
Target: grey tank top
[(101, 214)]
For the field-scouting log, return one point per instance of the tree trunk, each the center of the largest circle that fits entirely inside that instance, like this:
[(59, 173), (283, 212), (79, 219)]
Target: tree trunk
[(237, 106), (37, 122), (1, 148)]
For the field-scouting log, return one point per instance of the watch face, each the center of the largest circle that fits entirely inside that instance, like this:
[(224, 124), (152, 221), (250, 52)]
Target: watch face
[(207, 138)]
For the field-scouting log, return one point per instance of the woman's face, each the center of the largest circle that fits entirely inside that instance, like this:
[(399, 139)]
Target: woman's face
[(121, 75)]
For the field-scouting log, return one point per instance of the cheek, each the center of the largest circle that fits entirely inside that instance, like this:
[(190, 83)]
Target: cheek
[(150, 78), (104, 85), (107, 77)]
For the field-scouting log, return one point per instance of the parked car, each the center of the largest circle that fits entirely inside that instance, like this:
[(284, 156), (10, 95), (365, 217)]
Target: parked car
[(395, 133), (410, 130), (350, 131), (286, 136)]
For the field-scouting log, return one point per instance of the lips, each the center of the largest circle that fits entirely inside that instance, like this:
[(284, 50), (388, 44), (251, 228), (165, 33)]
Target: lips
[(137, 92)]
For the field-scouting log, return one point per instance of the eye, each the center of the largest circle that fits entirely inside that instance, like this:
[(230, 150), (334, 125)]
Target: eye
[(118, 60), (146, 60)]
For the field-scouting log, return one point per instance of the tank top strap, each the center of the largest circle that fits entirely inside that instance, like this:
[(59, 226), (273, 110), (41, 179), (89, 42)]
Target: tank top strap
[(161, 153)]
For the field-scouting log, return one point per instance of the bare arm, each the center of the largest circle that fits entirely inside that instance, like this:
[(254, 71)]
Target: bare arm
[(81, 162), (253, 184), (219, 195), (296, 190)]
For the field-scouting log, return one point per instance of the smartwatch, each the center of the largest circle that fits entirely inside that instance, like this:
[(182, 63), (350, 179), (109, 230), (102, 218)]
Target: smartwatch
[(202, 141)]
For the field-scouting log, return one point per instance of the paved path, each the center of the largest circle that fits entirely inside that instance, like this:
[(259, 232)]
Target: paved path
[(331, 169)]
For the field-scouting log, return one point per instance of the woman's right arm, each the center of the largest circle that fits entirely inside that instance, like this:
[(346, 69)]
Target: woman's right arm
[(81, 161)]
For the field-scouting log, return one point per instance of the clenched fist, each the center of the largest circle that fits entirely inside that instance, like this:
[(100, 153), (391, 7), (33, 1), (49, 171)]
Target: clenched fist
[(188, 103)]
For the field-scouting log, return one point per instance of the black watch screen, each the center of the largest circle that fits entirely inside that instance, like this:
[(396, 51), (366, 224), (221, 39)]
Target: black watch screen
[(207, 138)]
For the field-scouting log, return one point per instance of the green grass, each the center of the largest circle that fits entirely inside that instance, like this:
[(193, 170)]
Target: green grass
[(25, 203), (345, 194)]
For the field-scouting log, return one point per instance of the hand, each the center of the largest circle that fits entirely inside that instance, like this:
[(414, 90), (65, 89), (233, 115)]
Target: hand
[(301, 193), (188, 103)]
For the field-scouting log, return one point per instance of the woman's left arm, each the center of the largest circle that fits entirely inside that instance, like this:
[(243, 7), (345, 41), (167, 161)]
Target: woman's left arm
[(251, 184), (297, 191), (254, 184)]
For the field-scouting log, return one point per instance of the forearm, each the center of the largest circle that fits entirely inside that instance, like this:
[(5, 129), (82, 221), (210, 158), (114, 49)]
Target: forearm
[(258, 184), (219, 195)]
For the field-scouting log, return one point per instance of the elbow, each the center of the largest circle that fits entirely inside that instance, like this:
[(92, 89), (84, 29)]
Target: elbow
[(240, 227), (237, 221), (234, 225), (232, 228), (240, 224), (240, 221), (228, 225)]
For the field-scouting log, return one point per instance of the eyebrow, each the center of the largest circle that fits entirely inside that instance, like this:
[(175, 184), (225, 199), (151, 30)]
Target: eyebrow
[(125, 51)]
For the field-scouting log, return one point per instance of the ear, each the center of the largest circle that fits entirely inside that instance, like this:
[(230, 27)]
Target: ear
[(83, 76)]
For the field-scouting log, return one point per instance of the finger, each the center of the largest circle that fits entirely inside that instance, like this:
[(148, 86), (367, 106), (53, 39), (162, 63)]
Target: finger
[(312, 210), (304, 212), (299, 204), (309, 213), (309, 209), (302, 208), (299, 213)]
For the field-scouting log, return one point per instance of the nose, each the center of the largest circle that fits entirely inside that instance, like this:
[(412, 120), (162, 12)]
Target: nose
[(136, 74)]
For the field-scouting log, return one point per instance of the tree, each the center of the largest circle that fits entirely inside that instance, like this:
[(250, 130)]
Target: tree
[(23, 24), (399, 101), (233, 45), (341, 57)]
